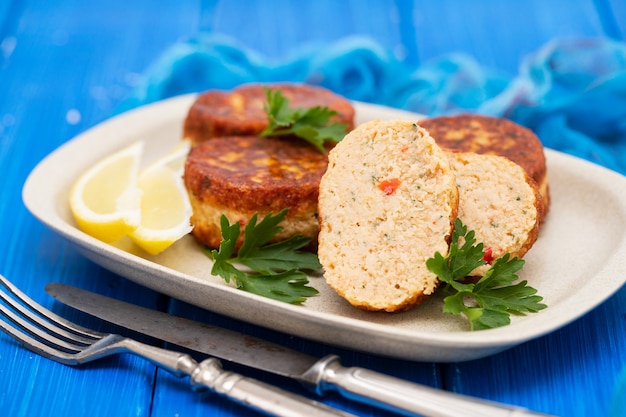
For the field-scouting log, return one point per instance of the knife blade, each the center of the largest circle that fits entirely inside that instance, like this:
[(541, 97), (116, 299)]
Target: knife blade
[(319, 375)]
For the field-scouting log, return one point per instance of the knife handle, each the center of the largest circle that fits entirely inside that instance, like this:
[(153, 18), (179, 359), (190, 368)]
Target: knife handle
[(401, 396), (255, 394)]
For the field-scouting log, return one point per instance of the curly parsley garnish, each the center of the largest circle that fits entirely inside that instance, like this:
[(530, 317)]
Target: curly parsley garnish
[(494, 296), (276, 269), (310, 124)]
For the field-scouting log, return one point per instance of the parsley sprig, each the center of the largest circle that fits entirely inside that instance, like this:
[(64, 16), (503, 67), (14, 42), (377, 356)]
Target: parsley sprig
[(494, 296), (310, 124), (276, 270)]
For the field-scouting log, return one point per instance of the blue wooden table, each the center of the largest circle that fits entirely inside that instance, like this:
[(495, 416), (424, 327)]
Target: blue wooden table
[(67, 65)]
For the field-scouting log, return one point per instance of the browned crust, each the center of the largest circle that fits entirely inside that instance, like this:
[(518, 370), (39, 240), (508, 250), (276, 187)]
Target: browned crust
[(497, 136), (240, 112), (244, 175), (490, 135), (408, 304)]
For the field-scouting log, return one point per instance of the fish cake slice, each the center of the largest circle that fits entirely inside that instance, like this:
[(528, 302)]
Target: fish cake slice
[(387, 203), (499, 202)]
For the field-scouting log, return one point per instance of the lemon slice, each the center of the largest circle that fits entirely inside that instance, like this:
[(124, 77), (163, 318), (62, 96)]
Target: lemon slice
[(165, 207), (105, 200)]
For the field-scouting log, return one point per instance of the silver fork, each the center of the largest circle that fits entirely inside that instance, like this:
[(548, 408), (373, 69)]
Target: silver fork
[(53, 337)]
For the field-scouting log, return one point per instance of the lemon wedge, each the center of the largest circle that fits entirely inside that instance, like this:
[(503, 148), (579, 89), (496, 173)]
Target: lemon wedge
[(165, 208), (105, 200)]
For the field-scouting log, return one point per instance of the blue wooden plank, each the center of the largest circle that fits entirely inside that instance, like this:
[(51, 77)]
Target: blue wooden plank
[(499, 34), (72, 62), (289, 27), (9, 13), (613, 13)]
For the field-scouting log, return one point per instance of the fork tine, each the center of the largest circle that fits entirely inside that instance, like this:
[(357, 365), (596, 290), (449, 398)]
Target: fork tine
[(39, 329), (49, 335), (46, 336), (45, 318), (33, 344)]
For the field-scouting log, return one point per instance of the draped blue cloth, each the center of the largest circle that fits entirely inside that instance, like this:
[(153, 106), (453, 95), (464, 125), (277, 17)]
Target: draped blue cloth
[(571, 92)]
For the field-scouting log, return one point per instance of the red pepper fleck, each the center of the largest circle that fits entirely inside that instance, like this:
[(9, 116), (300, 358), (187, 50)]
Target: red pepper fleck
[(488, 257), (389, 186)]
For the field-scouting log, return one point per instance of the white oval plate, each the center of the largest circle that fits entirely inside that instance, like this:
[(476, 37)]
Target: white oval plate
[(578, 261)]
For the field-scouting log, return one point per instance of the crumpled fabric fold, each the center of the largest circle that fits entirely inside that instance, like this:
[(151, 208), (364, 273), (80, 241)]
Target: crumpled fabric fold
[(356, 68), (571, 92)]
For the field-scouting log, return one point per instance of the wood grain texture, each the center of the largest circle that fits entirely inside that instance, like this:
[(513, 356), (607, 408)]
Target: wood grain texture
[(70, 64), (66, 65), (571, 372), (499, 34), (613, 16)]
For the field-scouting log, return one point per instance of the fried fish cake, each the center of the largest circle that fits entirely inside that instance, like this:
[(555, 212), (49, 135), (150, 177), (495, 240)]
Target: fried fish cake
[(239, 176), (497, 136), (240, 112)]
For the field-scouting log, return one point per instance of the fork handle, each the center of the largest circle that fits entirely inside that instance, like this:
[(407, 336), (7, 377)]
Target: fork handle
[(255, 394), (250, 392)]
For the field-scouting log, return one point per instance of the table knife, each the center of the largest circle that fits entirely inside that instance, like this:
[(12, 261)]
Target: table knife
[(319, 375)]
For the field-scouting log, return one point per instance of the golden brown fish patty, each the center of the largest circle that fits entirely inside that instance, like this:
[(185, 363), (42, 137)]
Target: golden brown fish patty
[(240, 112), (241, 175), (492, 135)]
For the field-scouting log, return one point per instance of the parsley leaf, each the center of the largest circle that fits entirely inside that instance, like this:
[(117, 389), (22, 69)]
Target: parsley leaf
[(489, 302), (310, 124), (275, 269)]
